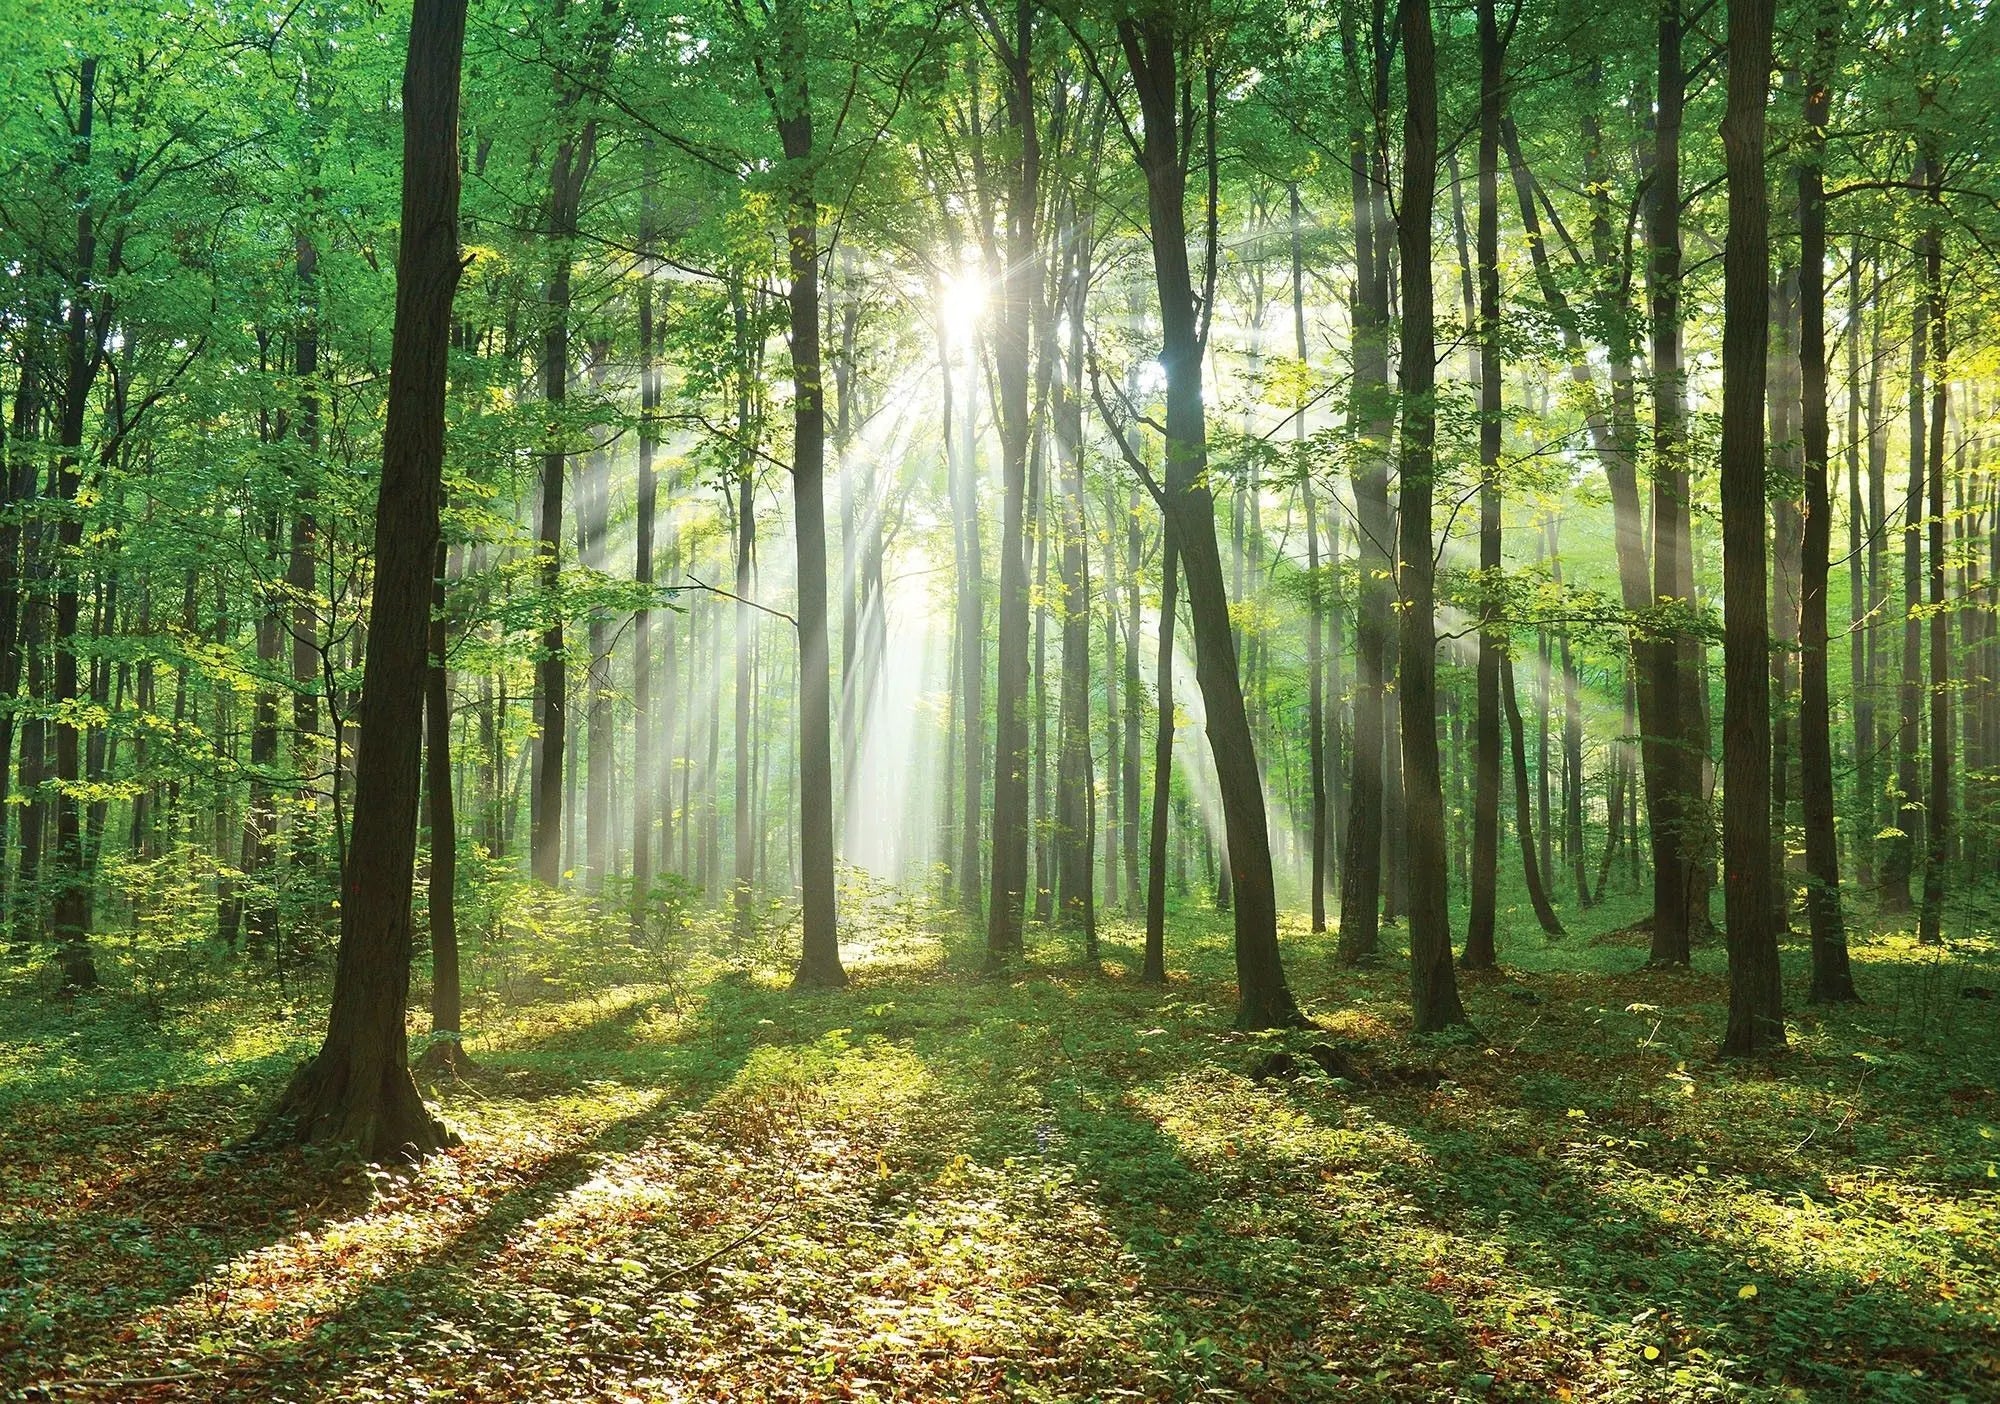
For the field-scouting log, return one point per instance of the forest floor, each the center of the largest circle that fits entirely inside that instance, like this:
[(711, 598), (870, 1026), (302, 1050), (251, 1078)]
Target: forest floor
[(936, 1185)]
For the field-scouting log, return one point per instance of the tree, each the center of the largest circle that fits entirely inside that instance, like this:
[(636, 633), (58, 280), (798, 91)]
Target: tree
[(357, 1089), (1756, 1009), (1433, 989), (1154, 44), (1831, 978)]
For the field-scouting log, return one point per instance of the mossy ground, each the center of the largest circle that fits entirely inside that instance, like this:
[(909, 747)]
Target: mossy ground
[(687, 1183)]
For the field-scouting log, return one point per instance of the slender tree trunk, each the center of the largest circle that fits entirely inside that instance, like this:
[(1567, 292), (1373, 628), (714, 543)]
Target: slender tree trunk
[(357, 1090), (1133, 705), (1150, 47), (1484, 896), (1155, 971), (83, 345), (819, 964), (574, 158), (1020, 279), (1831, 978), (1938, 803), (646, 780), (1756, 999), (1861, 624), (1524, 811), (1315, 608), (1371, 410), (1673, 806), (447, 1048), (1899, 860)]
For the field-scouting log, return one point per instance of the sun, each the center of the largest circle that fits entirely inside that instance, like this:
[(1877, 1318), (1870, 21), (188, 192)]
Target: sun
[(962, 303)]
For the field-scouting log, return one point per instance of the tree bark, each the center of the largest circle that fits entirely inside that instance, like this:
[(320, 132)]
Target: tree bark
[(1372, 411), (1315, 609), (447, 1049), (1433, 987), (1150, 46), (1938, 802), (1484, 884), (1155, 970), (1756, 1003), (1832, 979), (357, 1090), (819, 963)]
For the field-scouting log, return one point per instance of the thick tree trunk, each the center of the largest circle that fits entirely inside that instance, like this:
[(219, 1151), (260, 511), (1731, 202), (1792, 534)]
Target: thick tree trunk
[(1756, 1000), (357, 1090), (745, 514), (1433, 987)]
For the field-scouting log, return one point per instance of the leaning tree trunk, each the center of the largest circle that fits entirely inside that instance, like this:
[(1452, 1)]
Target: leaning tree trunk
[(357, 1089), (1756, 998), (1149, 43), (1524, 809)]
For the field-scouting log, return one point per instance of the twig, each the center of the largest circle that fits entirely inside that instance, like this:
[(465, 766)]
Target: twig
[(717, 590), (674, 1274)]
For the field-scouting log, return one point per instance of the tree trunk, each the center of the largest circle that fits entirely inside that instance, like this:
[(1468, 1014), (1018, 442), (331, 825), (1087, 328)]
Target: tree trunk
[(1900, 858), (1315, 609), (819, 963), (1155, 971), (1433, 987), (645, 781), (1149, 43), (357, 1090), (1372, 411), (1756, 999), (1524, 810), (1831, 978), (1019, 271), (447, 1049), (1484, 895), (1937, 808), (574, 158)]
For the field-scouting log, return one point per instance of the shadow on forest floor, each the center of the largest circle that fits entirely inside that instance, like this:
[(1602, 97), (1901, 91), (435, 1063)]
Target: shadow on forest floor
[(1056, 1184)]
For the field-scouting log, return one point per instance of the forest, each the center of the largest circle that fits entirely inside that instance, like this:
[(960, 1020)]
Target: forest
[(999, 700)]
